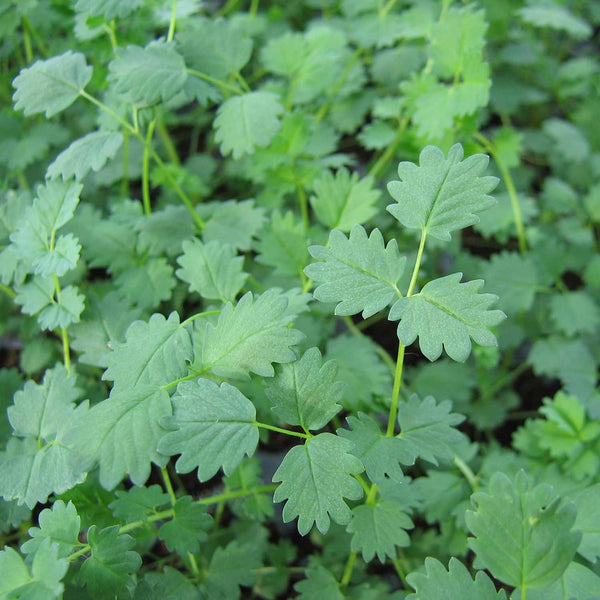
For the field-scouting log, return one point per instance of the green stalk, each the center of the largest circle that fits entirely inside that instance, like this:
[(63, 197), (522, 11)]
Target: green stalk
[(222, 84), (168, 485), (348, 570), (63, 330), (27, 44), (146, 168), (285, 431), (386, 9), (172, 21), (303, 205), (388, 153), (253, 8), (8, 291), (35, 35), (167, 142), (467, 472), (125, 180)]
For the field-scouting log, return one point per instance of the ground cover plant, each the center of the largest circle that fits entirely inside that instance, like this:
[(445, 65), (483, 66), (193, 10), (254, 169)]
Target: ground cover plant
[(299, 299)]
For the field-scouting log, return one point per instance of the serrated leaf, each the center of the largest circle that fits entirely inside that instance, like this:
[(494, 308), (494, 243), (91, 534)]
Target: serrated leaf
[(319, 583), (215, 426), (137, 503), (229, 568), (447, 314), (456, 583), (441, 194), (306, 392), (316, 477), (44, 579), (514, 279), (378, 529), (556, 17), (187, 527), (282, 245), (588, 514), (342, 201), (36, 294), (60, 259), (91, 152), (358, 272), (379, 454), (153, 353), (164, 230), (250, 336), (246, 121), (168, 584), (147, 75), (216, 47), (64, 311), (147, 285), (109, 9), (523, 534), (122, 434), (110, 567), (577, 582), (574, 312), (213, 269), (427, 429), (51, 85), (366, 376), (60, 524)]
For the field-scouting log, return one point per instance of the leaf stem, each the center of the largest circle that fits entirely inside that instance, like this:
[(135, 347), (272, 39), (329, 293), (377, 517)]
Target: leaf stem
[(510, 187), (167, 142), (35, 35), (146, 168), (27, 44), (110, 31), (253, 8), (172, 21), (466, 471), (8, 291), (285, 431), (303, 205), (348, 570), (217, 82), (168, 485), (200, 314), (382, 161), (125, 180)]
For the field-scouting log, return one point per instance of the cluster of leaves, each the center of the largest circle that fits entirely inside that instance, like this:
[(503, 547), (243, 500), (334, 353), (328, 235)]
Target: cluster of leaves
[(235, 364)]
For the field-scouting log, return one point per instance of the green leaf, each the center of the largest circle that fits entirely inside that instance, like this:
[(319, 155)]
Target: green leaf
[(441, 195), (153, 353), (379, 454), (360, 368), (213, 269), (137, 503), (60, 524), (109, 9), (51, 85), (316, 477), (523, 534), (229, 568), (249, 337), (588, 513), (10, 382), (216, 47), (35, 295), (122, 434), (427, 429), (447, 314), (358, 272), (574, 312), (306, 392), (456, 583), (214, 426), (147, 285), (168, 584), (65, 311), (319, 583), (147, 75), (246, 121), (282, 245), (514, 279), (91, 152), (44, 580), (342, 201), (110, 567), (556, 17), (164, 230), (187, 527), (378, 529)]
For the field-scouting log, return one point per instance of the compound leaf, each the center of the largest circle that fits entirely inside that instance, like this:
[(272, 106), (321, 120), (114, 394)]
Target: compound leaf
[(187, 527), (427, 429), (447, 313), (250, 336), (456, 583), (215, 426), (574, 312), (122, 433), (306, 392), (441, 195), (341, 201), (229, 568), (60, 524), (147, 75), (319, 583), (316, 477), (91, 152), (153, 353), (51, 85), (213, 269), (64, 311), (523, 534), (110, 567), (379, 454), (137, 503), (378, 529), (246, 121), (359, 272)]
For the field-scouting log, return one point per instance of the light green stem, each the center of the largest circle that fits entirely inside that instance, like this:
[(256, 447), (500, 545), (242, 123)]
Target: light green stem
[(125, 180), (285, 431), (467, 472), (146, 168), (222, 84), (253, 8), (388, 154), (206, 313), (172, 21), (303, 205), (8, 291), (168, 485), (167, 142), (35, 35), (347, 575)]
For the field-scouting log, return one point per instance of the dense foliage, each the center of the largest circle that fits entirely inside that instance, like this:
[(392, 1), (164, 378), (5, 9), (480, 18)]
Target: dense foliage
[(299, 299)]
